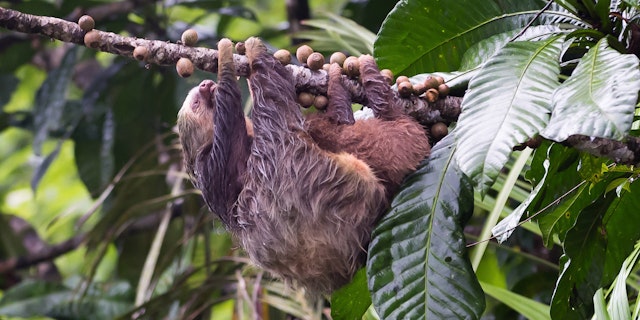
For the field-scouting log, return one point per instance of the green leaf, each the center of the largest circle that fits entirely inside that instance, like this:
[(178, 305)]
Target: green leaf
[(618, 301), (204, 4), (503, 230), (10, 243), (8, 84), (527, 307), (128, 138), (622, 220), (48, 113), (562, 218), (425, 36), (94, 137), (352, 300), (369, 14), (39, 298), (507, 103), (633, 3), (480, 52), (600, 306), (43, 165), (582, 263), (345, 34), (562, 202), (602, 10), (599, 98), (93, 148), (20, 54), (418, 266), (238, 11), (371, 314), (573, 6), (51, 99), (595, 249)]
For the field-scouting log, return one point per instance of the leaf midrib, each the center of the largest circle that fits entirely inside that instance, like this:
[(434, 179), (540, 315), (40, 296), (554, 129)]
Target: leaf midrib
[(511, 102), (434, 205)]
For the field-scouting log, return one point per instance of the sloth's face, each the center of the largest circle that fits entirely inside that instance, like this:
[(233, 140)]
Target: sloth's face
[(195, 120)]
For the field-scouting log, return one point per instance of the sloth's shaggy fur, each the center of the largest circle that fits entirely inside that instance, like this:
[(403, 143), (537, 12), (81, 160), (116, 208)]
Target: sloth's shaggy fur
[(300, 195)]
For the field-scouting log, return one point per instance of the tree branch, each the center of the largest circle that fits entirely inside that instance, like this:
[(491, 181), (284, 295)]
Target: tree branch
[(622, 152), (46, 254), (51, 252), (166, 53)]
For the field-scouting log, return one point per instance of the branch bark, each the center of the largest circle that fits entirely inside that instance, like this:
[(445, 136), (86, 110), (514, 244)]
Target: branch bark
[(46, 254), (166, 53), (622, 152), (51, 252)]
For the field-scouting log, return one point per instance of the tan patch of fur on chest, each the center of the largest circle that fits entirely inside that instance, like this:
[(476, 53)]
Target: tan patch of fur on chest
[(354, 166)]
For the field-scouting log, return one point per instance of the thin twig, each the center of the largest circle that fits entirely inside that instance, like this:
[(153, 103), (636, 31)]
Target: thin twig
[(538, 14)]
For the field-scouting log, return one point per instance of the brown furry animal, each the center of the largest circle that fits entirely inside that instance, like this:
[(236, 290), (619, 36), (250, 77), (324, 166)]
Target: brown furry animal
[(300, 195)]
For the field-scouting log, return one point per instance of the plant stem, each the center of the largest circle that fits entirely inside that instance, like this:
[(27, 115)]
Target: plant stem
[(501, 200)]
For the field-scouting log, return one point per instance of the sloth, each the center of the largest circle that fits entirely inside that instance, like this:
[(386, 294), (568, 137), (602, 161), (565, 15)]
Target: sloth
[(300, 194)]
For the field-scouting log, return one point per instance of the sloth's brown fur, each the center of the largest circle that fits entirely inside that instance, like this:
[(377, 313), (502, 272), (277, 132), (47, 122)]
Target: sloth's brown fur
[(300, 195)]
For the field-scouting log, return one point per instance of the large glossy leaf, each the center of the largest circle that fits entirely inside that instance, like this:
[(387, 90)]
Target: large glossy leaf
[(595, 249), (563, 216), (582, 263), (622, 222), (562, 202), (485, 49), (599, 98), (418, 266), (425, 36), (507, 103)]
